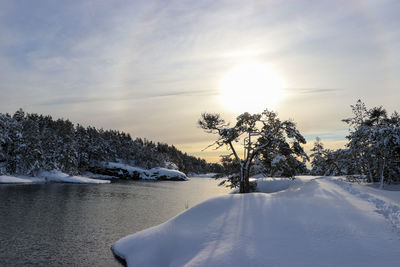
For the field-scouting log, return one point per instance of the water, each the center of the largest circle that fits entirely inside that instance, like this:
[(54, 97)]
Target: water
[(75, 225)]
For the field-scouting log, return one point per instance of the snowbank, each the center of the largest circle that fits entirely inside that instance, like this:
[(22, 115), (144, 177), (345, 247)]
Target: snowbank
[(57, 176), (321, 222)]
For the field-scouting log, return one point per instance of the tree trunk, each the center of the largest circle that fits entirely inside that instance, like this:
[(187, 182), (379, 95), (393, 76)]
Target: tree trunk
[(242, 186), (244, 181), (247, 185)]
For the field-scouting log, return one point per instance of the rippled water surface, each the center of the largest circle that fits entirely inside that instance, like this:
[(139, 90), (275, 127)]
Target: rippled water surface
[(75, 225)]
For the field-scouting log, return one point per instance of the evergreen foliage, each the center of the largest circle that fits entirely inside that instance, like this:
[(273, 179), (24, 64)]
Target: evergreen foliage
[(373, 148), (31, 142)]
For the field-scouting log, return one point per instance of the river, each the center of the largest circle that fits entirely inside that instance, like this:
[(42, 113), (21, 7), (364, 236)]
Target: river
[(75, 225)]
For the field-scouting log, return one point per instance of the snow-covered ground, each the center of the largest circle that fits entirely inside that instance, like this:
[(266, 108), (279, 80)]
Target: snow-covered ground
[(50, 176), (312, 222)]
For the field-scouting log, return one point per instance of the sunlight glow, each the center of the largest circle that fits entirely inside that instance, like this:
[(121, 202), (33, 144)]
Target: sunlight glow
[(251, 87)]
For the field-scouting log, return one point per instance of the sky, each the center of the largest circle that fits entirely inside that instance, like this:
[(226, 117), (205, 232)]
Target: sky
[(150, 68)]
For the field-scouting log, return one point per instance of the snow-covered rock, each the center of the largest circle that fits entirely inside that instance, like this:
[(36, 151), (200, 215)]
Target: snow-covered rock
[(125, 171), (166, 174), (321, 222)]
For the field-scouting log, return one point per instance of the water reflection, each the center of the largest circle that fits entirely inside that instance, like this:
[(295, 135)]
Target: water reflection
[(72, 224)]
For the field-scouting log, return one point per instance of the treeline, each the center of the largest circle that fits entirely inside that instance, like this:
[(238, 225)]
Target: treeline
[(373, 147), (31, 142)]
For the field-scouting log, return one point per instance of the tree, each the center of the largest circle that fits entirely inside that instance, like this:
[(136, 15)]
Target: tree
[(374, 142), (331, 162), (265, 138), (318, 162), (31, 156)]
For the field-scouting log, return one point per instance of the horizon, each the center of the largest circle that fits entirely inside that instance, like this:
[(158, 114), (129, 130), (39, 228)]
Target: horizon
[(150, 68)]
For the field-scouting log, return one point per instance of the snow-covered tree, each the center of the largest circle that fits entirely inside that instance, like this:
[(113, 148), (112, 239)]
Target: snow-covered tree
[(265, 137), (374, 142), (318, 161), (284, 155), (31, 152)]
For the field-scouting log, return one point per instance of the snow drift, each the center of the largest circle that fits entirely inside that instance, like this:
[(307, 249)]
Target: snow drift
[(318, 223)]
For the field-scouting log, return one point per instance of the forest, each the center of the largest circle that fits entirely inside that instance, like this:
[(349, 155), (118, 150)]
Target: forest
[(30, 143)]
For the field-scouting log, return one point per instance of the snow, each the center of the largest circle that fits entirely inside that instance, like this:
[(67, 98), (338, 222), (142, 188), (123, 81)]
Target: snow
[(312, 222), (57, 176)]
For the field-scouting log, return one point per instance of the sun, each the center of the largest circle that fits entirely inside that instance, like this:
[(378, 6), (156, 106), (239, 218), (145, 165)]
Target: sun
[(251, 87)]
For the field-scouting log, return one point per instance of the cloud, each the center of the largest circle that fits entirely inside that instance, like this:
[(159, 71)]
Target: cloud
[(312, 90), (85, 99)]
